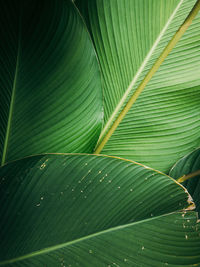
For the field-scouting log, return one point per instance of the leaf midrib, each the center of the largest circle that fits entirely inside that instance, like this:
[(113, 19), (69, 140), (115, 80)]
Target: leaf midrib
[(69, 243), (176, 37), (5, 148), (137, 75)]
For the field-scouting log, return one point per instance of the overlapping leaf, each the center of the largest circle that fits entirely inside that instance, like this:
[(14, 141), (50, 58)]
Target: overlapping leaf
[(50, 91), (129, 35), (187, 165), (87, 210)]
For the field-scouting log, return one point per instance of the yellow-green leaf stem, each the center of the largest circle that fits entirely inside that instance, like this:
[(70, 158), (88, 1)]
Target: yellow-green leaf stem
[(188, 176), (150, 74)]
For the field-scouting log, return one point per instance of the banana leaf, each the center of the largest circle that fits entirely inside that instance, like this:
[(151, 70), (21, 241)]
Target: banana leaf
[(129, 35), (88, 210), (50, 87)]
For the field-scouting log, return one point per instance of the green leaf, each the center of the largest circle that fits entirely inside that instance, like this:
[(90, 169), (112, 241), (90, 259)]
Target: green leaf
[(88, 210), (189, 164), (129, 35), (51, 99)]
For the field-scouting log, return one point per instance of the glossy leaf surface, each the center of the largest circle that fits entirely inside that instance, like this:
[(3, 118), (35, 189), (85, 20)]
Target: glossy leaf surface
[(189, 164), (50, 91), (129, 35), (88, 210)]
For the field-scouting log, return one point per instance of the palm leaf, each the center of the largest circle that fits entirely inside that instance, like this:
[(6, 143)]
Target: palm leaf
[(51, 99), (87, 210), (190, 164), (129, 36)]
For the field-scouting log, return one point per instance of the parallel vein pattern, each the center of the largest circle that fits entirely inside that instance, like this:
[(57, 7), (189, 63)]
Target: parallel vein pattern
[(53, 101), (148, 243), (50, 200), (149, 133), (189, 164), (13, 92)]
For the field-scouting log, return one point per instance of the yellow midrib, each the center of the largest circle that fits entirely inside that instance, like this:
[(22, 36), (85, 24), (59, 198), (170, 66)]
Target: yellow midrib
[(147, 78), (188, 176)]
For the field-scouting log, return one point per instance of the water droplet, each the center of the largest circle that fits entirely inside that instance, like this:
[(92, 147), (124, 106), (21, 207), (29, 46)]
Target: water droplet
[(125, 260), (86, 164), (142, 248), (37, 205), (186, 237), (43, 166), (151, 214), (81, 191), (61, 193), (119, 187), (42, 198), (131, 190), (99, 171), (188, 221), (90, 251), (110, 181)]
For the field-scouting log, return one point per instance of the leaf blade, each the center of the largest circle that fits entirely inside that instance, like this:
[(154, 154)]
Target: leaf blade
[(189, 164), (134, 138), (136, 245), (62, 198), (54, 84)]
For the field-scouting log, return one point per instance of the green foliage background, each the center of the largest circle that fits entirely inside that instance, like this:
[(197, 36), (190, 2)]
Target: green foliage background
[(67, 69)]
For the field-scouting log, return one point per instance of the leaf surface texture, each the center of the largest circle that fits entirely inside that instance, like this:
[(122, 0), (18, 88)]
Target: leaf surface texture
[(51, 98), (187, 165), (129, 35), (88, 210)]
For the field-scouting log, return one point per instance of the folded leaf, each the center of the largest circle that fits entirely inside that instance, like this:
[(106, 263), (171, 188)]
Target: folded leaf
[(88, 210), (187, 165), (50, 91), (129, 35)]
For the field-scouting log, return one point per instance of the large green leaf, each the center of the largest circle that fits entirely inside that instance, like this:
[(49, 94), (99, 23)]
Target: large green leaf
[(50, 92), (87, 210), (129, 35), (189, 164)]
